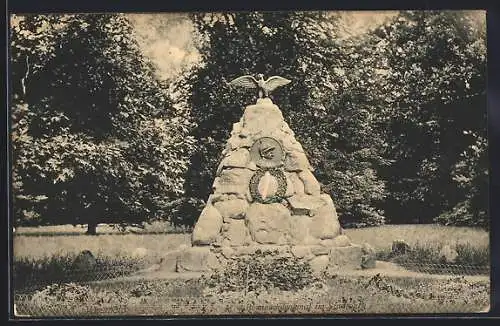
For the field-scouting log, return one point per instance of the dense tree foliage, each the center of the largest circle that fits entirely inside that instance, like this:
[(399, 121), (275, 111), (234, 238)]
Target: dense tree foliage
[(436, 104), (393, 120), (95, 136), (325, 109)]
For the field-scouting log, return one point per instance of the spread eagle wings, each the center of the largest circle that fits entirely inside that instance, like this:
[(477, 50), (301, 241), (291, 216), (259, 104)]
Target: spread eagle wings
[(246, 81), (276, 81)]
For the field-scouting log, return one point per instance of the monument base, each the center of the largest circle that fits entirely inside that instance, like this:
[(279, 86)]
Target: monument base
[(265, 197), (321, 258)]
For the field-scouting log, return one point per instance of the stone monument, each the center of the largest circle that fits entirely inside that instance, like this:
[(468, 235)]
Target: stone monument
[(265, 196)]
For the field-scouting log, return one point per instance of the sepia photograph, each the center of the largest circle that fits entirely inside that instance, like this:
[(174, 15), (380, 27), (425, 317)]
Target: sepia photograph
[(254, 163)]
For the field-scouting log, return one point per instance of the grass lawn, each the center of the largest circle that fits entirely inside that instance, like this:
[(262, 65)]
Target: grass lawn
[(157, 227), (381, 237), (109, 245), (46, 250), (48, 241)]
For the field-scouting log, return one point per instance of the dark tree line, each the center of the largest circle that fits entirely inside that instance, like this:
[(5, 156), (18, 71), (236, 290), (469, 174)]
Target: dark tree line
[(437, 131), (392, 120), (96, 138)]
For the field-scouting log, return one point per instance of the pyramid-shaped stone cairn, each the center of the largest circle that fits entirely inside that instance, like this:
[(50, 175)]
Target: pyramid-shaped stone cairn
[(266, 197)]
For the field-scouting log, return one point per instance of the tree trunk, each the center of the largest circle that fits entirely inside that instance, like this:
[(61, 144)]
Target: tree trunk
[(92, 228)]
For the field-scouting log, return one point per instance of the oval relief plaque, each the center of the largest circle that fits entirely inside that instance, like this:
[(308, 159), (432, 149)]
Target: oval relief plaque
[(267, 152), (268, 186)]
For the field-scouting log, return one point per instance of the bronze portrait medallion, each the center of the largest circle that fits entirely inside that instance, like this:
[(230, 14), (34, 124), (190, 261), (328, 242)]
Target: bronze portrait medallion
[(267, 153)]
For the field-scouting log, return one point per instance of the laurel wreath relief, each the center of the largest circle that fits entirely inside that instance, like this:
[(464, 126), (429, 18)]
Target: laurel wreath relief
[(254, 183)]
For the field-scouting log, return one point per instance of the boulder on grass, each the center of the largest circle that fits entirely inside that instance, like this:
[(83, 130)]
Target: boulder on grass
[(85, 261), (368, 259), (207, 227), (447, 254), (400, 247)]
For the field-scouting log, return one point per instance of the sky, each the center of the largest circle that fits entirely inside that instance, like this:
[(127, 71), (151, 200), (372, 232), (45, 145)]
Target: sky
[(167, 38)]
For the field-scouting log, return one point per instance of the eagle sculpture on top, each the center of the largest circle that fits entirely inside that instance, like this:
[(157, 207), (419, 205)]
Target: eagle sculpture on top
[(264, 86)]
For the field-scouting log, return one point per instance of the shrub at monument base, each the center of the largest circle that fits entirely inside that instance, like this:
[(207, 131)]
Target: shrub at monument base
[(262, 270)]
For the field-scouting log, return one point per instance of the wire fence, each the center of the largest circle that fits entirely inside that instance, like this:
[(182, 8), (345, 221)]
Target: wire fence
[(37, 281), (108, 290), (453, 269)]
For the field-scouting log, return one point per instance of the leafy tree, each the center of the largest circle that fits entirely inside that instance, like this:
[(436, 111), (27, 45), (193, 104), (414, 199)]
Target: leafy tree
[(349, 164), (300, 46), (96, 138), (437, 131)]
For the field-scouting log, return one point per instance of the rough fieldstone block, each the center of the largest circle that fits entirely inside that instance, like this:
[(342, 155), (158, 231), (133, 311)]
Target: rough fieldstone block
[(286, 128), (341, 241), (213, 198), (252, 166), (319, 264), (207, 227), (327, 243), (263, 117), (320, 250), (290, 191), (236, 159), (325, 224), (228, 252), (304, 204), (169, 261), (298, 185), (234, 208), (345, 257), (243, 250), (237, 126), (311, 185), (291, 145), (299, 228), (237, 142), (301, 251), (296, 162), (233, 181), (268, 223), (194, 259), (236, 233), (368, 259)]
